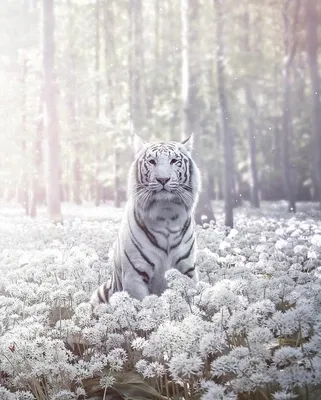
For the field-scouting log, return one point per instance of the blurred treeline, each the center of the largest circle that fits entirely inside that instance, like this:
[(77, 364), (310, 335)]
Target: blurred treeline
[(119, 68)]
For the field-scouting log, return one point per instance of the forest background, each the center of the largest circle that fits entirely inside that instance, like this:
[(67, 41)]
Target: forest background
[(79, 77)]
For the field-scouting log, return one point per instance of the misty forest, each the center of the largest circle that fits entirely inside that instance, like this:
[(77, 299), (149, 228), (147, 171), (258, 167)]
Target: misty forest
[(78, 80)]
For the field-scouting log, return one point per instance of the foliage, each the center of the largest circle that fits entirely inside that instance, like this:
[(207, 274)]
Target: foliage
[(99, 126), (250, 327)]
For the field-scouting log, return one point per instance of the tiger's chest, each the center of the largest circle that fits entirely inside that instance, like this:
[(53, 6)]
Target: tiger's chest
[(171, 225)]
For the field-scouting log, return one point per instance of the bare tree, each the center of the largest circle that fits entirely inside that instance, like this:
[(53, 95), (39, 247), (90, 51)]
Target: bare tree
[(185, 67), (155, 84), (97, 103), (287, 128), (24, 179), (190, 86), (37, 175), (50, 113), (137, 93), (251, 128), (76, 173), (277, 161), (227, 133), (312, 24), (111, 58), (117, 177)]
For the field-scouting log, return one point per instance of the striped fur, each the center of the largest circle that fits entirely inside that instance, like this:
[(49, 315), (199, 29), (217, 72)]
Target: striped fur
[(157, 229)]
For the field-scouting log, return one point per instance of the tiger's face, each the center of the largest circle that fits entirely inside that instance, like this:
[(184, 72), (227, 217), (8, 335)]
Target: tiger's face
[(165, 171)]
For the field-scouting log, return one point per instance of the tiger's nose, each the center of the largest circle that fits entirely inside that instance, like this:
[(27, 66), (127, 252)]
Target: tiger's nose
[(163, 181)]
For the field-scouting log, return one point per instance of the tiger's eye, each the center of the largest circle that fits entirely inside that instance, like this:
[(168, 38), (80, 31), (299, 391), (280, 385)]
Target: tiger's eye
[(174, 161), (153, 162)]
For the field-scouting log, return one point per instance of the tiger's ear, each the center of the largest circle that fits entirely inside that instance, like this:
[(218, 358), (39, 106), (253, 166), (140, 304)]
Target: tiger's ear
[(138, 143), (188, 143)]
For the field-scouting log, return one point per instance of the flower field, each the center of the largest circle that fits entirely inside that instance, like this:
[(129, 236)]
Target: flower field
[(250, 329)]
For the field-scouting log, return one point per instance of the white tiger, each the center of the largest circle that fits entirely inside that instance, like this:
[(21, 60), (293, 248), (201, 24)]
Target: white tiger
[(157, 229)]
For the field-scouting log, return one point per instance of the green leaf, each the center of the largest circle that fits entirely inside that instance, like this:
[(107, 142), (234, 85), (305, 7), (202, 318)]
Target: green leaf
[(132, 386)]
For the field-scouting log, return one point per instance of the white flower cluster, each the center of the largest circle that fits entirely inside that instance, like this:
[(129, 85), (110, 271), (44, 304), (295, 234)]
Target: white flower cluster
[(252, 324)]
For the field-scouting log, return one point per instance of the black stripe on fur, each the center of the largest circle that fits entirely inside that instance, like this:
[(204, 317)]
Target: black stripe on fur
[(143, 254), (143, 274), (148, 234), (187, 254), (189, 271), (184, 230)]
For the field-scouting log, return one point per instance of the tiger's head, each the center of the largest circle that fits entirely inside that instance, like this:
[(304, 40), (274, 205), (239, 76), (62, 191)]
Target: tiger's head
[(164, 171)]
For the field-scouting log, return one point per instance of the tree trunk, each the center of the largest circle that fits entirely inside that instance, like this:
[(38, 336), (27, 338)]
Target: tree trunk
[(186, 128), (155, 85), (289, 49), (250, 105), (277, 163), (212, 164), (137, 95), (311, 10), (98, 188), (36, 195), (190, 86), (76, 174), (227, 133), (117, 178), (254, 181), (111, 58), (50, 113), (23, 191), (24, 186), (219, 163)]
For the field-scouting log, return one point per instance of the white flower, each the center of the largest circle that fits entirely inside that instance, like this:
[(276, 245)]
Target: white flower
[(6, 395), (224, 246), (165, 341), (259, 339), (19, 395), (281, 244), (271, 263), (228, 293), (116, 359), (106, 381), (159, 369), (300, 249), (233, 233), (83, 315), (230, 362), (179, 283), (286, 356), (175, 306), (184, 366), (80, 392), (139, 343), (283, 395), (63, 395), (297, 233), (141, 366), (144, 368), (213, 391), (212, 343), (152, 313), (316, 240), (312, 254), (124, 310), (149, 370)]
